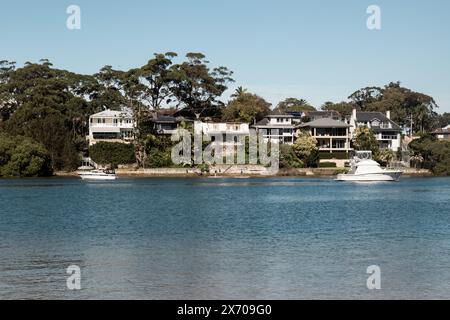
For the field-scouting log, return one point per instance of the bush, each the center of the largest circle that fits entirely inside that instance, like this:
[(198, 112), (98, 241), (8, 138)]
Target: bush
[(288, 158), (334, 155), (305, 147), (107, 153), (327, 165), (429, 153), (23, 157), (159, 159)]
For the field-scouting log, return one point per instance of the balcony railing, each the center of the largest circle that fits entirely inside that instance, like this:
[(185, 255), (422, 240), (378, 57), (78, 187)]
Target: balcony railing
[(111, 125)]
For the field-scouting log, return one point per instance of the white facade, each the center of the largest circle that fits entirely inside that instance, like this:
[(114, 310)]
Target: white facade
[(224, 135), (111, 126), (213, 128), (277, 128), (386, 131)]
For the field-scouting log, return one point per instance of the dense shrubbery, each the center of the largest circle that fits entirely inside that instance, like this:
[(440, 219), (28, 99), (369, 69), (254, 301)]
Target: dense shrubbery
[(430, 153), (23, 157), (327, 165), (305, 147), (334, 155), (106, 153), (159, 159), (288, 158)]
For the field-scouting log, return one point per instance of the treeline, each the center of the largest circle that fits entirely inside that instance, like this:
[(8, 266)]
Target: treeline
[(431, 153), (50, 107)]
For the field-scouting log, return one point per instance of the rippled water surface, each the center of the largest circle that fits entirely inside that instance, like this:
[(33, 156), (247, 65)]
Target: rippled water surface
[(276, 238)]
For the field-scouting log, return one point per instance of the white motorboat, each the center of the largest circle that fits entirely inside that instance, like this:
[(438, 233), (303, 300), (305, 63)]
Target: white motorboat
[(98, 175), (363, 168)]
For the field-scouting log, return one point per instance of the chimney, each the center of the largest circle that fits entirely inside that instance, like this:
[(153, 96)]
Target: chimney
[(388, 114), (354, 114)]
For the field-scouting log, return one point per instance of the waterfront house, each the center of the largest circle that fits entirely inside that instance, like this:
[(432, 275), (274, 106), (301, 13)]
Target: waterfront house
[(164, 124), (223, 130), (331, 135), (443, 133), (214, 129), (111, 126), (387, 132), (277, 128)]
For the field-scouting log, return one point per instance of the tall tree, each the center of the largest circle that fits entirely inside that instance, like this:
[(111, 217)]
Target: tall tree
[(239, 91), (197, 88), (246, 108), (344, 108), (157, 76), (294, 105)]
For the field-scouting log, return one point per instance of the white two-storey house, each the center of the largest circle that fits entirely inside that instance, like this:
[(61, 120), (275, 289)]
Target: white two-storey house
[(111, 126), (277, 128)]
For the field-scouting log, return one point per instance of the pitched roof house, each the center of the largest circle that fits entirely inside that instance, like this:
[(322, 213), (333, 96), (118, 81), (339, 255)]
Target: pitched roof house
[(387, 132)]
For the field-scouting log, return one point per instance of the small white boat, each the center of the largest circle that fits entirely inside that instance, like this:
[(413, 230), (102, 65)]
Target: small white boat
[(97, 175), (366, 170)]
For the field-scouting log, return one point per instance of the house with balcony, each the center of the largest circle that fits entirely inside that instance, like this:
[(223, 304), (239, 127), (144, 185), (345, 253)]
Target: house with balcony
[(228, 132), (277, 128), (165, 125), (331, 135), (111, 126), (387, 132)]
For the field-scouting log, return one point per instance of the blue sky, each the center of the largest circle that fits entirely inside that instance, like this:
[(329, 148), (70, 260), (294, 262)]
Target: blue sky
[(317, 50)]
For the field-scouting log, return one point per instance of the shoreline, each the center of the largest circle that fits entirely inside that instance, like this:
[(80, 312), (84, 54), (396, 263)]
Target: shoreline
[(262, 173)]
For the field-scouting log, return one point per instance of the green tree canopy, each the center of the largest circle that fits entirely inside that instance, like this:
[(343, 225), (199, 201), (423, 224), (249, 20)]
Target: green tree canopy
[(294, 105), (306, 149), (247, 108), (23, 157), (402, 102), (433, 154), (196, 88), (107, 153), (344, 108), (365, 140)]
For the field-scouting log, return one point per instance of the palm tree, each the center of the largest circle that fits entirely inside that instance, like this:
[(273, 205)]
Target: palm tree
[(239, 92)]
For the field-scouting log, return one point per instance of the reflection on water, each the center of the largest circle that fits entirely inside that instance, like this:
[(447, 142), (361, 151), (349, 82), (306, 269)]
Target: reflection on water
[(271, 238)]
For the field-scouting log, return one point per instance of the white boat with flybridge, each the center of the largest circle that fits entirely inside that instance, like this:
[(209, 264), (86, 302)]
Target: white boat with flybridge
[(365, 169), (98, 175)]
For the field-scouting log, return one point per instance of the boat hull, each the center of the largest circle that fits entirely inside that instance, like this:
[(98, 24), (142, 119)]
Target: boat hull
[(393, 176), (97, 177)]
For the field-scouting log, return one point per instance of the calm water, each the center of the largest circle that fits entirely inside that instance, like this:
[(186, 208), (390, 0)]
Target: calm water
[(278, 238)]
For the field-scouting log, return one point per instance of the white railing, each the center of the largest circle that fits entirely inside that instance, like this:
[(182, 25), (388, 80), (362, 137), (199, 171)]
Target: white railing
[(111, 125)]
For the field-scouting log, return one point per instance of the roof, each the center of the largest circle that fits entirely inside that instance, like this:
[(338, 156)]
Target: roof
[(324, 114), (113, 114), (325, 123), (263, 122), (165, 119), (442, 131), (370, 116), (280, 116)]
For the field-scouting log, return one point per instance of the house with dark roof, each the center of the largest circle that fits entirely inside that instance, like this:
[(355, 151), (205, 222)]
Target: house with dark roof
[(277, 127), (165, 124), (387, 132), (443, 134), (331, 135)]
